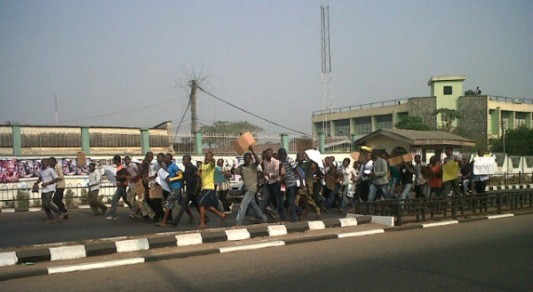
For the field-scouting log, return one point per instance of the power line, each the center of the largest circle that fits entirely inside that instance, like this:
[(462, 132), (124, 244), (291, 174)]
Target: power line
[(250, 113), (183, 117), (122, 111)]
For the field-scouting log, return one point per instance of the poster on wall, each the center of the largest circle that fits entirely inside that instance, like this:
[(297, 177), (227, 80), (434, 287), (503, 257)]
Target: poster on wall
[(12, 170)]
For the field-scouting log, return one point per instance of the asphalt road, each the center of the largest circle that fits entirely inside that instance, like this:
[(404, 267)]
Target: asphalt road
[(488, 255)]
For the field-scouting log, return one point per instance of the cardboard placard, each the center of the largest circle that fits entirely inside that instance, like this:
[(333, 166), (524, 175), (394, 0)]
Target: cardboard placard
[(408, 157), (396, 160), (82, 159), (243, 143), (139, 189), (303, 144), (156, 192), (355, 155)]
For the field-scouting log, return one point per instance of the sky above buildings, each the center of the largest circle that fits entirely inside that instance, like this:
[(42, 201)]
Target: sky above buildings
[(127, 63)]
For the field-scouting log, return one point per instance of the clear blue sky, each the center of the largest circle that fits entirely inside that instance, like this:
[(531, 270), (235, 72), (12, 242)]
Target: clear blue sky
[(126, 63)]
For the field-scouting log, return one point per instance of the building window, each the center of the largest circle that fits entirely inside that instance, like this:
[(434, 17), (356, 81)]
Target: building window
[(363, 126), (520, 120), (342, 128), (384, 122), (448, 90)]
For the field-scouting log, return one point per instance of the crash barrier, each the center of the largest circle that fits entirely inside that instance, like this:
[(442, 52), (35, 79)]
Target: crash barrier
[(413, 210)]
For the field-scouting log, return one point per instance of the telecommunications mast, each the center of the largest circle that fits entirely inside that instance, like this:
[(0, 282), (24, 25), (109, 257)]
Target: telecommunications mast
[(326, 69)]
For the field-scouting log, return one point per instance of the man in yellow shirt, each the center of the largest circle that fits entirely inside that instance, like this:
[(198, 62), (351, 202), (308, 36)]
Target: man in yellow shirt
[(208, 196), (451, 171)]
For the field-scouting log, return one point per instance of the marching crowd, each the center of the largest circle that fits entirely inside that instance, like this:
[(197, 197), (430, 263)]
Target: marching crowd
[(274, 185)]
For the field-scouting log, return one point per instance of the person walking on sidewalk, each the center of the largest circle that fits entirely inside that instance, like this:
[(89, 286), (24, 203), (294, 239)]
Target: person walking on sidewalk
[(208, 196), (290, 176), (48, 177), (248, 172), (190, 180), (122, 184), (97, 207), (60, 187), (174, 180), (222, 176)]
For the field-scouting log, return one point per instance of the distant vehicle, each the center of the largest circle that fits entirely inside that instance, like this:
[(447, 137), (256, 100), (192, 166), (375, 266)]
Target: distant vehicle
[(236, 192)]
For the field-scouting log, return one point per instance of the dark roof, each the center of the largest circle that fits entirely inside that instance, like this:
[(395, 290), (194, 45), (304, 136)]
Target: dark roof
[(420, 138)]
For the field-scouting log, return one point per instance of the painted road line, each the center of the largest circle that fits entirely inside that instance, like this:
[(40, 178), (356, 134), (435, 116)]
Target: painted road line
[(93, 266), (132, 245), (277, 230), (500, 216), (316, 225), (67, 252), (237, 234), (346, 222), (252, 246), (189, 239), (8, 258), (360, 233), (429, 225)]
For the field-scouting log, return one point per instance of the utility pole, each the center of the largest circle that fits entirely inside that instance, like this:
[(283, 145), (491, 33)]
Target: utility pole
[(194, 118)]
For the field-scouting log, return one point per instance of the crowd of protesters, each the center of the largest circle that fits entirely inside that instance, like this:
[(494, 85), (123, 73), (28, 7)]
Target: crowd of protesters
[(275, 186)]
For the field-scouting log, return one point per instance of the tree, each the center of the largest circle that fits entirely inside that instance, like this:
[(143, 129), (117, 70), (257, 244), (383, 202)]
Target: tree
[(412, 123), (227, 128), (470, 92), (448, 116), (517, 142)]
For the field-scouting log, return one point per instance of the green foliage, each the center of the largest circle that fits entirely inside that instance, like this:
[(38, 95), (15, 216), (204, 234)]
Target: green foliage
[(23, 199), (227, 128), (412, 123), (448, 116), (470, 92), (84, 197), (70, 201), (233, 128), (517, 142)]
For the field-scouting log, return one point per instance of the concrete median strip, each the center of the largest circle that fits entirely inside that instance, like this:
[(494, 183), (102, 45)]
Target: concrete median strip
[(500, 216), (443, 223), (361, 233), (93, 266), (67, 252), (252, 246), (8, 258)]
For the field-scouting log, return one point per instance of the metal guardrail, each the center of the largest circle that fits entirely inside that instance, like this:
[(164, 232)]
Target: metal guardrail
[(23, 198), (377, 104), (413, 210)]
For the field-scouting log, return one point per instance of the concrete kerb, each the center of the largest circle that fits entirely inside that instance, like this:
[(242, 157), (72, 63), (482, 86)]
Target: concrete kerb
[(108, 246)]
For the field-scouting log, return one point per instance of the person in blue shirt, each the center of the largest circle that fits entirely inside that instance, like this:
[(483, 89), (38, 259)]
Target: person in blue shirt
[(174, 180)]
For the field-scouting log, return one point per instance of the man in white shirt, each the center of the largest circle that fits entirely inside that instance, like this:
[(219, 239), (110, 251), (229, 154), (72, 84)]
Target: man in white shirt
[(97, 207), (48, 177), (348, 178)]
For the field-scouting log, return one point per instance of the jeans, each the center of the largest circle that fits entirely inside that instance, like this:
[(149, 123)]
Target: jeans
[(375, 188), (249, 199), (450, 187), (119, 193), (272, 193), (94, 203), (334, 197), (58, 199), (49, 206), (405, 193), (291, 200)]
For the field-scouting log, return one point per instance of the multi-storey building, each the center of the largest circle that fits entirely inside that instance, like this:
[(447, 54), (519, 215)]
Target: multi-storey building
[(482, 117)]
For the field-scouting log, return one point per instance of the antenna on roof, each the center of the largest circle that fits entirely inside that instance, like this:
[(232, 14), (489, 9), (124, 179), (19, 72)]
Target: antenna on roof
[(326, 66)]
